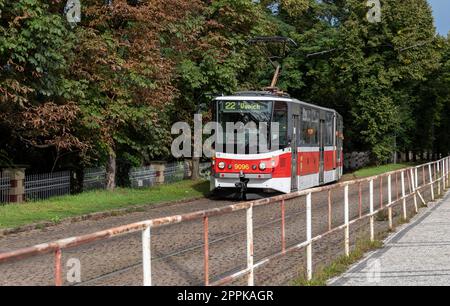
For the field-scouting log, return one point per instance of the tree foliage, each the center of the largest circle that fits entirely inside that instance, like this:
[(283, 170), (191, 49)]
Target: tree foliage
[(109, 89)]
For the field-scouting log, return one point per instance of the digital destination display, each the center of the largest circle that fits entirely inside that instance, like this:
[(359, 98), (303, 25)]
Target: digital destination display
[(246, 106)]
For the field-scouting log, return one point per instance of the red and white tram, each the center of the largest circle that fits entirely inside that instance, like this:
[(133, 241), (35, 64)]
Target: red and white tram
[(309, 151)]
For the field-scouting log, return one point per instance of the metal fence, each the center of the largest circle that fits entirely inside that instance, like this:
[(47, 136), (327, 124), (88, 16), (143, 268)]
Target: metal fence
[(175, 172), (356, 160), (205, 170), (94, 178), (343, 205), (47, 185), (143, 177), (4, 188)]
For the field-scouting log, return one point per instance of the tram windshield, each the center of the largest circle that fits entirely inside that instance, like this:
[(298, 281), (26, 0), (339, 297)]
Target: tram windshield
[(247, 126)]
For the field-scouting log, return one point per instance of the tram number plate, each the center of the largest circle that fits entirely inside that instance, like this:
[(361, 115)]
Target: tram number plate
[(241, 167)]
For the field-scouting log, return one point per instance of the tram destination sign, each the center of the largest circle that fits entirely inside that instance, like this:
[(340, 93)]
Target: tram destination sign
[(246, 106)]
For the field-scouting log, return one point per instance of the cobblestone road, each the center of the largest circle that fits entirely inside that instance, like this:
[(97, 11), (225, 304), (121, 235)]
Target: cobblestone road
[(177, 251)]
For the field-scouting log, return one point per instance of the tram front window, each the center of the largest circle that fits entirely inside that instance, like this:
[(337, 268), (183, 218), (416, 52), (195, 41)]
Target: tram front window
[(246, 126)]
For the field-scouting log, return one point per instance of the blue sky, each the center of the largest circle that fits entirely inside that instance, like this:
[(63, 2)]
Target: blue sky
[(441, 10)]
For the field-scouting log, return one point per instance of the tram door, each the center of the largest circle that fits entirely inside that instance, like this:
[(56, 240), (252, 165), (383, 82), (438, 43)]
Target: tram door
[(294, 146), (322, 151)]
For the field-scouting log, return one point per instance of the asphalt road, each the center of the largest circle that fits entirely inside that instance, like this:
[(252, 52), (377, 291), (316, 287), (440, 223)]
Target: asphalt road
[(177, 251)]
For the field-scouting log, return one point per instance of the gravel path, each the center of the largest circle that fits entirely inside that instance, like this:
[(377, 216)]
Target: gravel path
[(417, 255)]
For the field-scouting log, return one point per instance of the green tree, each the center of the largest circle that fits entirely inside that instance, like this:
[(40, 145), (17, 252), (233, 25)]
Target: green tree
[(363, 69), (38, 106), (218, 61), (128, 84)]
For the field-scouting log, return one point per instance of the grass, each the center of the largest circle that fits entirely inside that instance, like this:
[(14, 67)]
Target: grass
[(56, 209), (340, 265), (373, 171)]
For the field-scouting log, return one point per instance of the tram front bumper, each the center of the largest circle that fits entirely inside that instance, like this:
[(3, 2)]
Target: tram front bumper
[(248, 176), (236, 180)]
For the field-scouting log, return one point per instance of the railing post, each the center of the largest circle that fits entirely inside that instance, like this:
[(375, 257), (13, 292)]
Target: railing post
[(347, 220), (413, 183), (250, 248), (443, 175), (372, 218), (424, 180), (448, 170), (444, 165), (396, 186), (147, 256), (381, 192), (283, 226), (434, 171), (405, 216), (391, 226), (58, 276), (206, 249), (329, 211), (446, 173), (416, 171), (309, 269), (438, 177), (431, 181), (360, 199)]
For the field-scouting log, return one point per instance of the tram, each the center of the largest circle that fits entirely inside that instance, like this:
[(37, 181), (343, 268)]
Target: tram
[(309, 151), (305, 149)]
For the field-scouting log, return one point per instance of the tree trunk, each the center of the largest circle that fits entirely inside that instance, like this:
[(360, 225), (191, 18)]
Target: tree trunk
[(76, 181), (195, 168), (111, 169)]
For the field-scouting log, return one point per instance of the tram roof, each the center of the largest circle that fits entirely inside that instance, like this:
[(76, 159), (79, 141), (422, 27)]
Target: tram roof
[(268, 96)]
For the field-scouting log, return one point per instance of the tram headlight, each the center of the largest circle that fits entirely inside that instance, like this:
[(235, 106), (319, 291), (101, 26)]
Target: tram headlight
[(262, 166), (221, 165)]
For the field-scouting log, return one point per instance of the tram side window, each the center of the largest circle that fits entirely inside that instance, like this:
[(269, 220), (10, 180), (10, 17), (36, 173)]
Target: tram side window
[(315, 128), (329, 129), (280, 115), (340, 127), (305, 126)]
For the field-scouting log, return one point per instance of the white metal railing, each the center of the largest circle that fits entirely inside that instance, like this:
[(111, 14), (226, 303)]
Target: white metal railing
[(438, 177)]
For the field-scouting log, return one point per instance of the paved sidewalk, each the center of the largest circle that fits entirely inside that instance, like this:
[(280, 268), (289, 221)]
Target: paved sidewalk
[(418, 255)]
